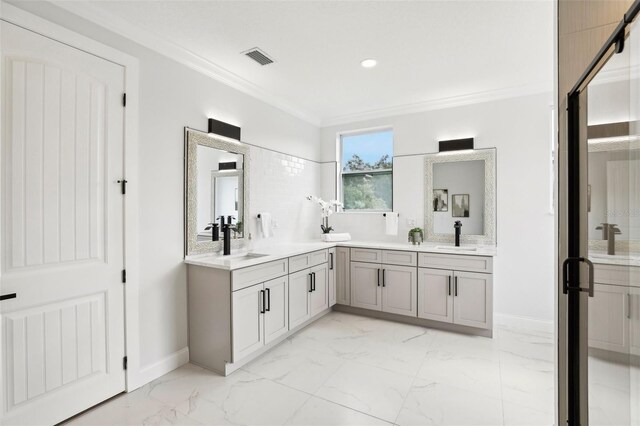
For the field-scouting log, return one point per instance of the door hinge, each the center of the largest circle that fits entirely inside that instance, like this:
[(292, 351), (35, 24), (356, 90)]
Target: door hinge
[(124, 99), (124, 275), (124, 363), (123, 184)]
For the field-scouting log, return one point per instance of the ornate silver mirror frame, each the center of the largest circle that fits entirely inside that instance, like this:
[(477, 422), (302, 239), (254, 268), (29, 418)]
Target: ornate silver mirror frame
[(193, 138), (489, 157)]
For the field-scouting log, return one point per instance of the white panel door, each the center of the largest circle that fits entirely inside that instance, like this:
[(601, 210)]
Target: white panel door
[(366, 290), (319, 297), (435, 295), (400, 290), (62, 229), (248, 309), (299, 291), (276, 317), (473, 299)]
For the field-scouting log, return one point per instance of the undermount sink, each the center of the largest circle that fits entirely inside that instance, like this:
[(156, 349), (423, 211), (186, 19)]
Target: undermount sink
[(243, 256), (460, 248)]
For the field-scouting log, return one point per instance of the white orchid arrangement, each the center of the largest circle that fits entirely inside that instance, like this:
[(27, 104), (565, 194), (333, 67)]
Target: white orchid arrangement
[(327, 208)]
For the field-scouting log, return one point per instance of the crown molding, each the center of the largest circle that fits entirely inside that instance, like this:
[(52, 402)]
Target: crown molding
[(124, 28), (443, 103)]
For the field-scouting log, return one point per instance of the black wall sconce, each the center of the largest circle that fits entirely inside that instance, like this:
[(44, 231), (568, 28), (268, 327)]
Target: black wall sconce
[(455, 145), (223, 129)]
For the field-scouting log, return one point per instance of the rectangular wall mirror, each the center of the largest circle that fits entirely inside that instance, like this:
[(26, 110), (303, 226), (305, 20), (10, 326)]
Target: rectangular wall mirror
[(460, 186), (216, 188)]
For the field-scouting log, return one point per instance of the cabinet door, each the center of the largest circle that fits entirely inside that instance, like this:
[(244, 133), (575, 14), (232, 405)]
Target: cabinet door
[(634, 320), (400, 290), (248, 321), (299, 291), (331, 278), (473, 299), (435, 294), (319, 297), (366, 290), (608, 318), (276, 316), (343, 276)]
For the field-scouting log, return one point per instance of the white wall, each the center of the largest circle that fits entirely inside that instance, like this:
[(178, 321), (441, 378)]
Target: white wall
[(520, 130), (173, 96)]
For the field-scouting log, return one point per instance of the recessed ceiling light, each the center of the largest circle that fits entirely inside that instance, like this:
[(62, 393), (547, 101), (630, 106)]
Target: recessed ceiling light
[(369, 63)]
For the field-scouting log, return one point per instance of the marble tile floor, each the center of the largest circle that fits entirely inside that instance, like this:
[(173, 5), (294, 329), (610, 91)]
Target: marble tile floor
[(346, 369)]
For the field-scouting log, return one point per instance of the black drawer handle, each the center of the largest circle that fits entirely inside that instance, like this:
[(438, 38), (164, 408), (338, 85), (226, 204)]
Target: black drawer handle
[(310, 282), (8, 296), (268, 290)]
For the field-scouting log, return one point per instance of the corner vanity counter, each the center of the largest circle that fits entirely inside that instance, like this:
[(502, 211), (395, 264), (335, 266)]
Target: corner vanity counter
[(242, 305)]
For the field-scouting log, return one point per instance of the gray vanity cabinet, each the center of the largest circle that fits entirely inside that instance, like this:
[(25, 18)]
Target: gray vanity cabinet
[(319, 296), (365, 286), (260, 316), (248, 320), (614, 311), (435, 294), (457, 289), (343, 276), (331, 277), (299, 290), (382, 287), (472, 299)]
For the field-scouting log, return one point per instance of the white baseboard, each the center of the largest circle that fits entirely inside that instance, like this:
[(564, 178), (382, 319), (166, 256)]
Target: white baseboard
[(159, 368), (523, 324)]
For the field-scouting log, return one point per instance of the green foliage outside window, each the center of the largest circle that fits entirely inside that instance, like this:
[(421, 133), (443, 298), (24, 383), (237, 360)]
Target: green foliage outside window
[(367, 186)]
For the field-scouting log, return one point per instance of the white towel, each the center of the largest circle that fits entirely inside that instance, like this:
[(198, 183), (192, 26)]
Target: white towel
[(391, 224), (265, 222), (329, 238)]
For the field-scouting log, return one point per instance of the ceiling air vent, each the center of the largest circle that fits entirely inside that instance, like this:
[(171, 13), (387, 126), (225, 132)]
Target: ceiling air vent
[(259, 56)]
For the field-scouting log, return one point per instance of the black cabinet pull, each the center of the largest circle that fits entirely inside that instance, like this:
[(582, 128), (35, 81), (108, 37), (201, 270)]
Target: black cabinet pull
[(310, 282), (268, 290), (8, 296), (263, 302), (313, 277), (384, 284), (378, 277), (449, 284), (331, 264), (455, 287)]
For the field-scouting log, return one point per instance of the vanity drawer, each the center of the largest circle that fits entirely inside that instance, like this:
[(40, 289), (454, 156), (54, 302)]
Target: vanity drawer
[(366, 255), (403, 258), (456, 262), (308, 260), (245, 277)]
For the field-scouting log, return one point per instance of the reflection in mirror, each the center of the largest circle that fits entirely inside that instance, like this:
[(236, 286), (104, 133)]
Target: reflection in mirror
[(461, 186), (220, 177), (217, 191), (464, 184), (613, 201)]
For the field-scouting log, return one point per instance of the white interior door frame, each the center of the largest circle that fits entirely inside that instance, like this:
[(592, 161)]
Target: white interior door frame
[(19, 17)]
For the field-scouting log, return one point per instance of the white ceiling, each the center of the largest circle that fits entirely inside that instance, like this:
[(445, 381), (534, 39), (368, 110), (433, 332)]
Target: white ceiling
[(428, 52)]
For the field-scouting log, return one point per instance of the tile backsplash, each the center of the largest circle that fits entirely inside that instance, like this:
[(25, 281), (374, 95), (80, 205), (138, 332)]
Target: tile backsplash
[(280, 184)]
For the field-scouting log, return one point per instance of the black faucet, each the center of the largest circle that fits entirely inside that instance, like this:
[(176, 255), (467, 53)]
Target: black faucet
[(221, 221), (215, 231), (226, 232), (458, 228)]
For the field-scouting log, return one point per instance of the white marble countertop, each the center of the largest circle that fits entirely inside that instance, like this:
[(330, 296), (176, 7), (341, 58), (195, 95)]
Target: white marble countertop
[(237, 260), (624, 259)]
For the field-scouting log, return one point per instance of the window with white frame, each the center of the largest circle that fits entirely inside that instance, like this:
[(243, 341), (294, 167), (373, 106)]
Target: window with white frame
[(367, 170)]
